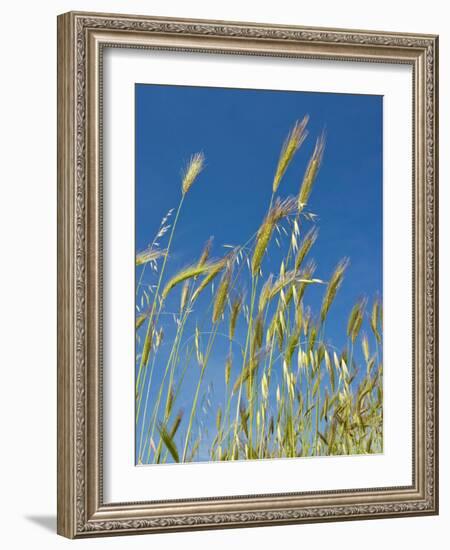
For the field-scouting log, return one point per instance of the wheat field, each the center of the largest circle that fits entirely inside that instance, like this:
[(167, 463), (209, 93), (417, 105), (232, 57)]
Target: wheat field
[(286, 390)]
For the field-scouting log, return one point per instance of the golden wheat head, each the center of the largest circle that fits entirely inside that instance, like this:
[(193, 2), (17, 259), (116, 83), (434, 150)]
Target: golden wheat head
[(206, 251)]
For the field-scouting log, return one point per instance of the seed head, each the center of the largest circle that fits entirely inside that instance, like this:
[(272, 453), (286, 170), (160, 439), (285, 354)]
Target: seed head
[(293, 141), (193, 169), (235, 310), (149, 255), (311, 173), (221, 295), (333, 287), (228, 366), (278, 211)]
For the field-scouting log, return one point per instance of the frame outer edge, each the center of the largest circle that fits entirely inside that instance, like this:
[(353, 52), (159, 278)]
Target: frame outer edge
[(66, 524)]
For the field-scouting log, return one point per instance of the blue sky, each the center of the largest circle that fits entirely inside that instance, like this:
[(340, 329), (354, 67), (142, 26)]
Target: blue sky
[(240, 133)]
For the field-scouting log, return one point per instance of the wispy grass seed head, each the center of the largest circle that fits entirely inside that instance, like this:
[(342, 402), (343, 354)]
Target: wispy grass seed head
[(306, 245), (206, 251), (149, 255), (184, 296), (306, 274), (333, 287), (193, 169), (375, 319), (365, 347), (311, 173), (148, 344), (214, 269), (355, 319), (221, 295), (265, 293), (279, 210), (293, 141), (235, 310), (140, 319), (184, 275), (228, 365)]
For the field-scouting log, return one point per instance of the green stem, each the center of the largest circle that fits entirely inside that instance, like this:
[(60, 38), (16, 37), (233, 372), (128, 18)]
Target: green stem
[(154, 417), (247, 342), (172, 364), (144, 419), (197, 391), (152, 312), (316, 441), (252, 390)]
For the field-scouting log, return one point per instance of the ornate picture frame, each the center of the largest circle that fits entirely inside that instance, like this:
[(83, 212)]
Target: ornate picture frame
[(82, 40)]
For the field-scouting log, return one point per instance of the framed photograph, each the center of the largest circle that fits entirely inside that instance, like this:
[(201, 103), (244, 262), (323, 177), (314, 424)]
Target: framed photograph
[(247, 276)]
